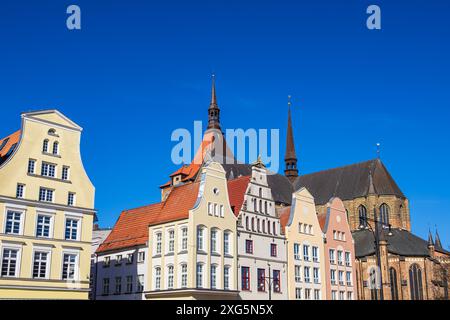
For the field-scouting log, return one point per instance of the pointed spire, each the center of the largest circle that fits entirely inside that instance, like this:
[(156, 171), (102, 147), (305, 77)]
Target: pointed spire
[(430, 238), (213, 110), (290, 157), (437, 241)]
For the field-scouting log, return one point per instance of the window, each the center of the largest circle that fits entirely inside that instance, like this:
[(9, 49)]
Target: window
[(245, 281), (105, 286), (374, 284), (222, 213), (362, 212), (171, 241), (69, 266), (213, 241), (141, 256), (184, 239), (210, 208), (31, 166), (226, 278), (306, 275), (184, 275), (384, 214), (341, 295), (316, 294), (71, 229), (274, 228), (349, 295), (339, 257), (348, 278), (45, 146), (316, 275), (341, 277), (213, 275), (216, 211), (20, 191), (65, 173), (246, 223), (298, 293), (273, 250), (393, 281), (48, 170), (347, 259), (261, 280), (333, 295), (332, 256), (118, 260), (170, 277), (118, 285), (140, 283), (249, 246), (253, 224), (71, 199), (13, 222), (129, 284), (305, 252), (107, 262), (276, 281), (55, 147), (333, 276), (158, 242), (9, 262), (226, 242), (298, 277), (307, 294), (157, 278), (415, 282), (43, 226), (199, 238), (45, 195), (130, 258), (315, 254), (199, 275), (300, 227), (296, 251)]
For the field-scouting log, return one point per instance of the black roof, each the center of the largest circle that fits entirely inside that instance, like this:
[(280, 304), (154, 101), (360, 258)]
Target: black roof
[(349, 182), (401, 242)]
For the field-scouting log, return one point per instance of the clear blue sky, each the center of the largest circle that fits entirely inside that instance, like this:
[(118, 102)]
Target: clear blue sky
[(139, 69)]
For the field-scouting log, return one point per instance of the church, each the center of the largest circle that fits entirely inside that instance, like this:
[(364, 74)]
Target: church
[(392, 262)]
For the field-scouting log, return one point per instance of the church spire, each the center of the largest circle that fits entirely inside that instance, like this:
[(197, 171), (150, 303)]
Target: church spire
[(437, 241), (213, 110), (290, 157), (430, 238)]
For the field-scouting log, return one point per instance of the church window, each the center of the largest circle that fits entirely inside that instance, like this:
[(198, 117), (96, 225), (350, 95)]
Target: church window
[(393, 281), (362, 212), (384, 213), (415, 282)]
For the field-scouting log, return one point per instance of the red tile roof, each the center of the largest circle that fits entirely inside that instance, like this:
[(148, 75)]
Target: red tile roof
[(322, 220), (12, 139), (284, 214), (236, 192)]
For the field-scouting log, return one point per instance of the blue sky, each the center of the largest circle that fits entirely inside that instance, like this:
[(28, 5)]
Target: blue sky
[(140, 69)]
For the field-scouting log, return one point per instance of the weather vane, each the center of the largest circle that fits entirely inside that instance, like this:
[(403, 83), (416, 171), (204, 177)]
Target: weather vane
[(378, 150)]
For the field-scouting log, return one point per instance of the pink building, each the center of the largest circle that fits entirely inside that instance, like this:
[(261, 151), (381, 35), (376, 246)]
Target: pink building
[(339, 249)]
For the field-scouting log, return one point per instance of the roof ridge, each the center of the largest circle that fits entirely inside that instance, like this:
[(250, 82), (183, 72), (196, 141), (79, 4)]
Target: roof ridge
[(340, 167)]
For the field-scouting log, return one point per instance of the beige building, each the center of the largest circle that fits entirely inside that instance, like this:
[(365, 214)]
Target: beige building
[(305, 248), (46, 210)]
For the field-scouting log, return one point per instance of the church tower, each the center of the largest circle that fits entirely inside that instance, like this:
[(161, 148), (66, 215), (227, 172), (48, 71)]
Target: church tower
[(213, 110), (290, 157)]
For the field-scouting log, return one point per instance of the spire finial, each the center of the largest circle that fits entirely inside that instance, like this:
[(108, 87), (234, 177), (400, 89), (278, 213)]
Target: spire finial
[(437, 240), (290, 157), (430, 238), (378, 150), (213, 89), (213, 110)]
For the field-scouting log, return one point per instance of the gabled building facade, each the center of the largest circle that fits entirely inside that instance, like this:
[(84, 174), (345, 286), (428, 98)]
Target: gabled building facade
[(305, 248), (339, 251), (46, 210)]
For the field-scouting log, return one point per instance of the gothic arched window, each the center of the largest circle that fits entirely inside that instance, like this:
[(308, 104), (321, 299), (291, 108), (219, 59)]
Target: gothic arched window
[(393, 281), (384, 213), (362, 213), (415, 282)]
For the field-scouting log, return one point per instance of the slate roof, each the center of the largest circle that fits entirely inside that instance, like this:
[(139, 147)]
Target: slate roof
[(402, 243), (349, 182)]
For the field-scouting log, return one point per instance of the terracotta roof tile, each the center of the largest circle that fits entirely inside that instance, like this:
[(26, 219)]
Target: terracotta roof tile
[(236, 192), (284, 214), (12, 139), (322, 217)]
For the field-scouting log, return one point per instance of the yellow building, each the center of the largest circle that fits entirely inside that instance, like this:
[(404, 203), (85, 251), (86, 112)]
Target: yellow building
[(46, 210)]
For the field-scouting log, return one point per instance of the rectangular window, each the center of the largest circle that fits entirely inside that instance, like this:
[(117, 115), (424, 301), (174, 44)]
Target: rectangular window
[(130, 258), (48, 170), (31, 166), (210, 208), (213, 240), (118, 285), (226, 243), (222, 214), (71, 232), (141, 256), (45, 195), (43, 226), (9, 262), (171, 241), (107, 262), (306, 275), (315, 254), (316, 275), (349, 295), (249, 246), (140, 283), (216, 211), (347, 259), (170, 277), (226, 278), (213, 276), (332, 257), (158, 243), (65, 173), (348, 276), (261, 280), (296, 251), (316, 294), (245, 278), (105, 286), (276, 281), (305, 252), (71, 199), (298, 293), (20, 191), (273, 250), (341, 295), (307, 294), (298, 277), (341, 278), (118, 260), (333, 276), (333, 295), (40, 261), (339, 253), (184, 275), (199, 277), (199, 238), (129, 284), (13, 222), (69, 266), (157, 278), (184, 239)]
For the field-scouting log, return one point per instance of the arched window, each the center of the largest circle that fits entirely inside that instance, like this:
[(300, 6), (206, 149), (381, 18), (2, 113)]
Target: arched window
[(384, 213), (52, 132), (415, 282), (268, 227), (246, 223), (274, 229), (253, 224), (265, 207), (393, 281), (260, 206), (257, 225), (55, 147), (254, 204), (362, 213), (260, 192), (263, 226), (45, 146)]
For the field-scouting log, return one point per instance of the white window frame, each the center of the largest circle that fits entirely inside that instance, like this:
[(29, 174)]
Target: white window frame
[(184, 275), (77, 264), (47, 168), (49, 260), (66, 176), (184, 238), (213, 276), (47, 191), (22, 195), (52, 219), (18, 209), (11, 246), (171, 240), (79, 226), (157, 277), (158, 241), (227, 243), (170, 277), (74, 199), (31, 165), (226, 277)]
